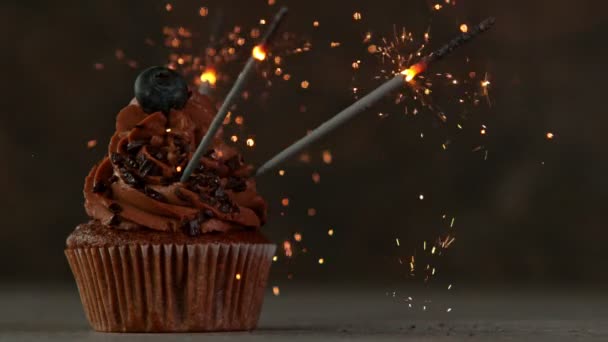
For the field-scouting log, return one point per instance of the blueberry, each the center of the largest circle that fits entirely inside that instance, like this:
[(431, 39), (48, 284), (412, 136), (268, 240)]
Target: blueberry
[(161, 89)]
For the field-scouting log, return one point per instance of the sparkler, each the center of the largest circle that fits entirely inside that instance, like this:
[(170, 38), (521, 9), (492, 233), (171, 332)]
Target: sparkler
[(367, 101), (258, 54), (209, 76)]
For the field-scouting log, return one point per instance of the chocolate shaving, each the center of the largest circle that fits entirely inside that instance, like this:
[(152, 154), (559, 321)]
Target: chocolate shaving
[(148, 168), (116, 159), (131, 163), (154, 194), (134, 146), (131, 179)]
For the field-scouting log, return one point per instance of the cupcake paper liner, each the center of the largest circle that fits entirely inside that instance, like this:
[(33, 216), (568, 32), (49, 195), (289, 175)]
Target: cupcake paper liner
[(172, 288)]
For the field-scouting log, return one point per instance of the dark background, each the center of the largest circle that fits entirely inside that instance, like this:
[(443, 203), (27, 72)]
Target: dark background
[(533, 212)]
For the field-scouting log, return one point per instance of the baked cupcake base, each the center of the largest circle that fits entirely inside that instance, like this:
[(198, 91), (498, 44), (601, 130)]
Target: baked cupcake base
[(162, 282)]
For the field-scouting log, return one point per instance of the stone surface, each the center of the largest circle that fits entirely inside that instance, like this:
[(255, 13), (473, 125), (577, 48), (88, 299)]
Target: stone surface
[(30, 313)]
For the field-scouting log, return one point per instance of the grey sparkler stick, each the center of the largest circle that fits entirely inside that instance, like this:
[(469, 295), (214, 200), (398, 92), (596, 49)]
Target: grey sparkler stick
[(236, 89), (370, 99)]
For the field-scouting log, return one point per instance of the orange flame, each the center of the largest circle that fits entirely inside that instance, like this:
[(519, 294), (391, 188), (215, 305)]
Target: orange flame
[(259, 53), (209, 76), (414, 70)]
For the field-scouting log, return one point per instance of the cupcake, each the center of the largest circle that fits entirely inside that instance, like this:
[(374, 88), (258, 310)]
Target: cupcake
[(159, 255)]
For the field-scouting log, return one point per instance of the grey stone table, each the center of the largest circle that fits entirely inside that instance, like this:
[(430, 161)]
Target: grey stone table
[(340, 313)]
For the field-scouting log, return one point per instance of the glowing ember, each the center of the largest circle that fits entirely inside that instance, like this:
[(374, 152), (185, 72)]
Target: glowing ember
[(237, 276), (287, 248), (209, 76), (259, 53), (276, 291), (327, 157), (91, 143), (550, 135), (414, 70), (285, 202), (250, 142), (464, 28)]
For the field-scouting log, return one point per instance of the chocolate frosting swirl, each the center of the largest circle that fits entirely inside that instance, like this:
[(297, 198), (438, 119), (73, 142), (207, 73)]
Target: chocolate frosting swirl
[(136, 186)]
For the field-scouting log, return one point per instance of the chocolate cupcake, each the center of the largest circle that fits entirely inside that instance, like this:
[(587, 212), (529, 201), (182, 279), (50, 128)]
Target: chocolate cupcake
[(160, 255)]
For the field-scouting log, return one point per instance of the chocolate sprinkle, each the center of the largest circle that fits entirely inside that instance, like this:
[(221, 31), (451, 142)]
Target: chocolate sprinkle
[(233, 163), (115, 208), (208, 214), (207, 199), (236, 184), (226, 208), (115, 220), (220, 194), (99, 187)]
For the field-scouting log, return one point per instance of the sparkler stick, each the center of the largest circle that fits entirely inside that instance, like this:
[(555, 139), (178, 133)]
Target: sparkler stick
[(258, 54), (370, 99)]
